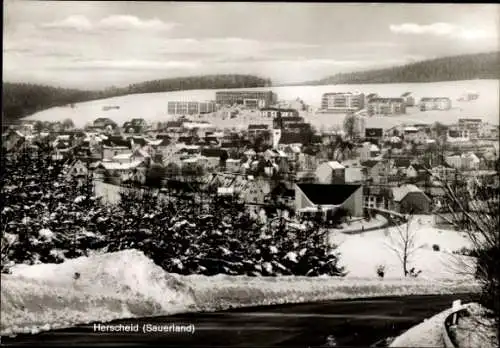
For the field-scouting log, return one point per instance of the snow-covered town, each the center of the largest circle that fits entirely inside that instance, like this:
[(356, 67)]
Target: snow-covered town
[(188, 198)]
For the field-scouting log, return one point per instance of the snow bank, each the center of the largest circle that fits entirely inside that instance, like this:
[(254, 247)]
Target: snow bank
[(82, 290), (429, 333), (127, 284)]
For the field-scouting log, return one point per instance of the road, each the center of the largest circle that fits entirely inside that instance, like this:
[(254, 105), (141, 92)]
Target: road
[(360, 322)]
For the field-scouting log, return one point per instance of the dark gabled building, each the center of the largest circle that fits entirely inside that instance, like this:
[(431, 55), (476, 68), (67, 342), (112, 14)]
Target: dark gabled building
[(324, 197), (115, 141), (186, 140), (214, 152), (374, 133)]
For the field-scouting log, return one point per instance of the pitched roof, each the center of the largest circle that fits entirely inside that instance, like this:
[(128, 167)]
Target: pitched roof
[(120, 166), (213, 152), (322, 194), (406, 94), (335, 165), (370, 163), (292, 138), (402, 162), (258, 126), (399, 193)]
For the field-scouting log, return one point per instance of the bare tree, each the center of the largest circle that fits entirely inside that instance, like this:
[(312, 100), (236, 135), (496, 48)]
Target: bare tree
[(475, 211), (403, 242)]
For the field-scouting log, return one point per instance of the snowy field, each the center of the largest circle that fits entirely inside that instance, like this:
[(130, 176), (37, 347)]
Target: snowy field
[(362, 253), (126, 284), (153, 106)]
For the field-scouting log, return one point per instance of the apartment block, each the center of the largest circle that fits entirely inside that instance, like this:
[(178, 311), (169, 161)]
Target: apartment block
[(190, 107), (342, 102), (249, 99)]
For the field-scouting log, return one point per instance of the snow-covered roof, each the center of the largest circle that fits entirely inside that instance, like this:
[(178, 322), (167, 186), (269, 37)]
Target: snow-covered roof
[(400, 192), (154, 142), (411, 129), (191, 125), (122, 156), (191, 160), (250, 152), (120, 166), (395, 139), (335, 165), (143, 153), (233, 160), (374, 148), (225, 190)]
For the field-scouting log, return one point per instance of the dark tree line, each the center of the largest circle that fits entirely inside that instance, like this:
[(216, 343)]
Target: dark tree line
[(463, 67), (23, 99)]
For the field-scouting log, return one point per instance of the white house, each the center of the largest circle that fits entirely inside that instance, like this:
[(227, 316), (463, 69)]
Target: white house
[(331, 172)]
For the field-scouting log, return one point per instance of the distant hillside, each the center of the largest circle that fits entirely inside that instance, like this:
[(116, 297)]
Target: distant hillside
[(465, 67), (22, 99)]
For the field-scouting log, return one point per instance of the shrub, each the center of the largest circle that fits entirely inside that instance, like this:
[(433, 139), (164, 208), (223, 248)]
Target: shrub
[(436, 247), (381, 271)]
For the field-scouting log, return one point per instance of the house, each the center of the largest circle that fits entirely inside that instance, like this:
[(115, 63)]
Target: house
[(457, 136), (410, 199), (282, 193), (374, 135), (368, 151), (284, 122), (331, 172), (409, 100), (12, 139), (377, 171), (326, 199), (467, 161), (300, 128), (254, 130), (308, 160), (444, 172), (135, 126), (375, 196), (440, 103), (78, 168), (104, 123), (122, 172), (233, 165), (399, 165), (213, 156), (354, 172), (415, 170)]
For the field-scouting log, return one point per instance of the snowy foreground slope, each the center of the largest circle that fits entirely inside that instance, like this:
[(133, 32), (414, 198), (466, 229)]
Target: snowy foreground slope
[(127, 284)]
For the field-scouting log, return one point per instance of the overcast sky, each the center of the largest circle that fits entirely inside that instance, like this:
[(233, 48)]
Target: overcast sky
[(99, 44)]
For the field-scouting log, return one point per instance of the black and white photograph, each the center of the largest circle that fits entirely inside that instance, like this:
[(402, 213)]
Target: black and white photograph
[(250, 174)]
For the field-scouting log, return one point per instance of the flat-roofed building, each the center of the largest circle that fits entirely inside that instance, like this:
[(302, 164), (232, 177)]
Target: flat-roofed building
[(190, 107), (249, 99), (386, 106), (342, 102)]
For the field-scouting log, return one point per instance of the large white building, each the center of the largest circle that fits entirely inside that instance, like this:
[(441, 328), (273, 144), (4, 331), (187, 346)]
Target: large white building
[(342, 102), (190, 107)]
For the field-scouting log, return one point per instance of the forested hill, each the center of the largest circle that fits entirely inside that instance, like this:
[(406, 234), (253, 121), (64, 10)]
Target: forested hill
[(22, 99), (464, 67)]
